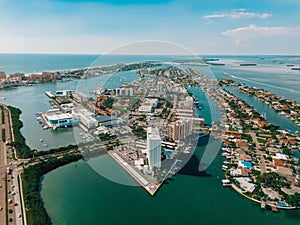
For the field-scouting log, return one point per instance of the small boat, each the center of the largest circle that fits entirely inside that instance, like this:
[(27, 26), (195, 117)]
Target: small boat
[(274, 209), (45, 127), (224, 154), (295, 160), (226, 183), (224, 168), (41, 140)]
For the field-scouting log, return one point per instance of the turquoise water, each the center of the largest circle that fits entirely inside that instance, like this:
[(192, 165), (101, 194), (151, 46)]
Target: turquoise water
[(271, 74), (75, 194), (88, 198), (33, 63), (272, 116)]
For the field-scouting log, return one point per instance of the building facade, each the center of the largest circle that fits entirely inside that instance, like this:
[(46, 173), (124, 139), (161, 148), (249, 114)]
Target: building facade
[(180, 129), (2, 76), (153, 147), (60, 120)]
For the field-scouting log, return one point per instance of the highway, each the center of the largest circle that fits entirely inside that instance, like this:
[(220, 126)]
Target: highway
[(11, 201)]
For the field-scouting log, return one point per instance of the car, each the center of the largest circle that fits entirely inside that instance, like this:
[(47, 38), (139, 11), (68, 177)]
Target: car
[(13, 186), (1, 208), (19, 215), (10, 211), (11, 219)]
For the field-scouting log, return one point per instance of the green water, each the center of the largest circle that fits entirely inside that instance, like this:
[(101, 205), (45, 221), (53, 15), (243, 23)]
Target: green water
[(77, 195)]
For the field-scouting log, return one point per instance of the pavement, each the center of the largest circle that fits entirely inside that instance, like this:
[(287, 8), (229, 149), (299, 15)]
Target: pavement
[(262, 163)]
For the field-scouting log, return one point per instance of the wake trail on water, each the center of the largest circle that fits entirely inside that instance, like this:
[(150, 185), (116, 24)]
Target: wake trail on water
[(256, 82)]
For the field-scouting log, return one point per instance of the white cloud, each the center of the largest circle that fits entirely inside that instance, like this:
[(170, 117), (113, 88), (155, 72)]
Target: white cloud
[(241, 13), (273, 40), (257, 31)]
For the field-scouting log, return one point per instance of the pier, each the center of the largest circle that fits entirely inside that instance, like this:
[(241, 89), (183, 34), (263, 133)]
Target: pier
[(49, 94), (150, 188)]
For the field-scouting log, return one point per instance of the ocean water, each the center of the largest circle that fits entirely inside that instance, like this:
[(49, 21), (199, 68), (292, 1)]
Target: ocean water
[(35, 63), (77, 195), (271, 73)]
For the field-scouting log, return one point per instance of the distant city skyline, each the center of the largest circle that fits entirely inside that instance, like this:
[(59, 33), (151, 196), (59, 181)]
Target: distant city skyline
[(97, 27)]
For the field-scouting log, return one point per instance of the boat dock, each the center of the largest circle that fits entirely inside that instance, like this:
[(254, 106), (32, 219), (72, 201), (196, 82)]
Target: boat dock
[(49, 94), (226, 183)]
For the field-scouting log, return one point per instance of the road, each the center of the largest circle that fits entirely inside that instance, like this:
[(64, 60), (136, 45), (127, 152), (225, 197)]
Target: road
[(262, 163), (10, 191)]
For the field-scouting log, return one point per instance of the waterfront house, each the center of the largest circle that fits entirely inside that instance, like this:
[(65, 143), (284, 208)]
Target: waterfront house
[(245, 184), (277, 161), (284, 171)]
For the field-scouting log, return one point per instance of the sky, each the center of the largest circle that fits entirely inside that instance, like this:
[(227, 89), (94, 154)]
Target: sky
[(229, 27)]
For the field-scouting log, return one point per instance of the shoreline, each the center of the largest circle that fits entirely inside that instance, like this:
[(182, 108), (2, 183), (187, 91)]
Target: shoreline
[(139, 182), (234, 187), (58, 75), (254, 143), (238, 190), (151, 191), (40, 169), (137, 179)]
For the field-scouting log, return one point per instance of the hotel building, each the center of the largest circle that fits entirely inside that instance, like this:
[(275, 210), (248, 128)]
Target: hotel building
[(153, 147)]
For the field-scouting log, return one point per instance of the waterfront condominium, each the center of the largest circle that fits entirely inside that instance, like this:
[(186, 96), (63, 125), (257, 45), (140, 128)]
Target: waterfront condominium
[(153, 147), (180, 129)]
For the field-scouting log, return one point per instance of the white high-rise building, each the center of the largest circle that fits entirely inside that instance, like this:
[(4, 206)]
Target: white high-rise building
[(153, 147), (122, 92)]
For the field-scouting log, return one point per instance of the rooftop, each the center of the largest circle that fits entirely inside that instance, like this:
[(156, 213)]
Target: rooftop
[(59, 116)]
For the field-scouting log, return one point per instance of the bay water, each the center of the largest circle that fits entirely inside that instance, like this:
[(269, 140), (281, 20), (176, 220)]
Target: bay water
[(75, 194)]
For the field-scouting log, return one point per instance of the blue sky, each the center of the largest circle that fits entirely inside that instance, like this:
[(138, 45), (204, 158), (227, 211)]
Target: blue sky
[(204, 27)]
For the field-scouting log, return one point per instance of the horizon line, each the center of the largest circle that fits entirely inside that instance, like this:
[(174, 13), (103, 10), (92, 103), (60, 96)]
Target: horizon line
[(151, 54)]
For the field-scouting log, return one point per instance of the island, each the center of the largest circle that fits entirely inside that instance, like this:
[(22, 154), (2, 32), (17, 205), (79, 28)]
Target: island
[(151, 128)]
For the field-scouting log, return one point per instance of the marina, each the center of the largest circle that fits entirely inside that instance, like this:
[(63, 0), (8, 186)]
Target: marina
[(183, 183)]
